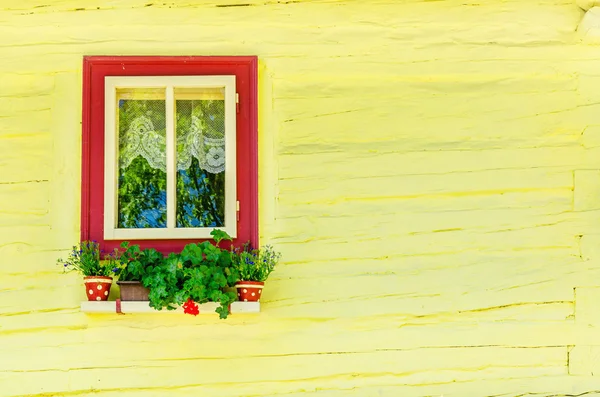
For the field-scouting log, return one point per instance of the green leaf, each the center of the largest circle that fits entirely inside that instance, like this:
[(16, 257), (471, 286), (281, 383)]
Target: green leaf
[(192, 252), (220, 235), (212, 253)]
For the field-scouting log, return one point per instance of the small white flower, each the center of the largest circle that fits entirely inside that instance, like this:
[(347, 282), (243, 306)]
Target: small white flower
[(216, 157)]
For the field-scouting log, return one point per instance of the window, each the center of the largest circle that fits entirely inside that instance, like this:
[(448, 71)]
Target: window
[(169, 150)]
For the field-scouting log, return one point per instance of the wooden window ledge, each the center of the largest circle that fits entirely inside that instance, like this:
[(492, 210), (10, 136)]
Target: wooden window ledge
[(128, 307)]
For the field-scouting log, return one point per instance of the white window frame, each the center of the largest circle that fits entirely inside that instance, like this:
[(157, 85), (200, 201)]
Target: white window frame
[(111, 147)]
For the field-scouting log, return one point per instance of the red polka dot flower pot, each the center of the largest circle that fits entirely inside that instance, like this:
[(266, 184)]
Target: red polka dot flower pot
[(97, 288), (249, 291)]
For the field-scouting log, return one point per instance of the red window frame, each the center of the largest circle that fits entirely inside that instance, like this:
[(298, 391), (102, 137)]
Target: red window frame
[(95, 68)]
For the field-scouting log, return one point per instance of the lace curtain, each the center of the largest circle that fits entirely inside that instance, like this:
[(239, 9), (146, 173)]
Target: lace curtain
[(200, 136)]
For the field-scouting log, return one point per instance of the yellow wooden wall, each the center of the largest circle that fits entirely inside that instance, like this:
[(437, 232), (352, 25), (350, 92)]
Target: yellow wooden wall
[(429, 169)]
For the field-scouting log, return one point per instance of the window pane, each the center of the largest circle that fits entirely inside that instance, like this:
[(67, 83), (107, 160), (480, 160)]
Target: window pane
[(142, 183), (200, 132)]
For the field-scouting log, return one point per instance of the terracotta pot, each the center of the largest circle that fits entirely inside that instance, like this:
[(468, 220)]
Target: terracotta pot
[(133, 291), (249, 291), (97, 288)]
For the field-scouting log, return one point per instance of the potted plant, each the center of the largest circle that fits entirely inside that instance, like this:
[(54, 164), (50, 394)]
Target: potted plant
[(200, 273), (131, 266), (85, 258), (254, 267)]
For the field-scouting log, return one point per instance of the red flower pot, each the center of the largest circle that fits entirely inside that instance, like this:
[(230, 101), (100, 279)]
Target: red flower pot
[(97, 288), (249, 291)]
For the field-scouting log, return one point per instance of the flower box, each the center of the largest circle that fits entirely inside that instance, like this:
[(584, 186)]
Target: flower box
[(133, 291)]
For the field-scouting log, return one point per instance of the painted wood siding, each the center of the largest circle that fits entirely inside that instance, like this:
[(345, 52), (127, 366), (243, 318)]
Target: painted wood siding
[(429, 169)]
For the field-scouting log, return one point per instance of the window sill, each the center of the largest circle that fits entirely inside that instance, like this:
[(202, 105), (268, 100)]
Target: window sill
[(129, 307)]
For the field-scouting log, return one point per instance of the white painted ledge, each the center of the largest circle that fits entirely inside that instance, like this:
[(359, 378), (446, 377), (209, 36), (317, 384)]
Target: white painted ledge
[(144, 307), (589, 27)]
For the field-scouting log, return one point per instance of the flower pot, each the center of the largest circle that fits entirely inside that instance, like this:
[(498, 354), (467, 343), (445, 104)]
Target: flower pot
[(249, 291), (97, 288), (133, 291)]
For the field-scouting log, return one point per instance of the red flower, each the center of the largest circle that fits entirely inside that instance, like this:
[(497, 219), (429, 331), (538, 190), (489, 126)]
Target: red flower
[(190, 307)]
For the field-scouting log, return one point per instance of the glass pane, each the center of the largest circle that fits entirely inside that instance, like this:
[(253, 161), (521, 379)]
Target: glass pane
[(200, 131), (142, 183)]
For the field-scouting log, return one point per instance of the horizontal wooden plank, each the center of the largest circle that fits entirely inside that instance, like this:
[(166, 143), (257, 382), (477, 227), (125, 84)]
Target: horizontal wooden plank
[(554, 200), (25, 157), (436, 23), (440, 307), (24, 204), (538, 238), (514, 387), (229, 338), (36, 321), (25, 85), (415, 60), (327, 188), (20, 249), (451, 76), (405, 266), (400, 221), (357, 164), (24, 123), (407, 281), (421, 140), (484, 18), (9, 105), (429, 100), (411, 366), (355, 126), (64, 297)]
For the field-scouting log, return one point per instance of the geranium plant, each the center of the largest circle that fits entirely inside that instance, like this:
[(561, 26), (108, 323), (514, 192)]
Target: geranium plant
[(199, 274), (133, 263)]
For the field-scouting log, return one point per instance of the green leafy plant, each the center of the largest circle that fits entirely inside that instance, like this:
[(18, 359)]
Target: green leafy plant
[(199, 274), (85, 259), (133, 264), (255, 264)]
